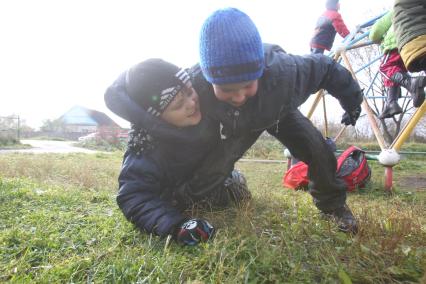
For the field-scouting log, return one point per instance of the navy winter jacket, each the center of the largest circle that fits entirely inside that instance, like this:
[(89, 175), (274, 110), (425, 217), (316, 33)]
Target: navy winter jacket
[(153, 187), (287, 81)]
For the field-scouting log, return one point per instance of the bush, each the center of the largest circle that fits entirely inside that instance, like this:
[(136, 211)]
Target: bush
[(103, 144), (8, 141)]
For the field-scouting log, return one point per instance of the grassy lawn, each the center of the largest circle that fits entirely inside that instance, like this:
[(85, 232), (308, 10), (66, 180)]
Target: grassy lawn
[(59, 223)]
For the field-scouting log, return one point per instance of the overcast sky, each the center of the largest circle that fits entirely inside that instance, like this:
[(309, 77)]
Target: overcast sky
[(55, 54)]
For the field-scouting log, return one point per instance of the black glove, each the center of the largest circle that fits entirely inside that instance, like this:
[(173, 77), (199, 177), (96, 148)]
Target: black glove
[(193, 231), (350, 118)]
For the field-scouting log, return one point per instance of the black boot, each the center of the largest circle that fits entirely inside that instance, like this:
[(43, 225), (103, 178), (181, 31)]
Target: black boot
[(344, 219), (414, 85), (392, 107), (234, 191), (236, 186)]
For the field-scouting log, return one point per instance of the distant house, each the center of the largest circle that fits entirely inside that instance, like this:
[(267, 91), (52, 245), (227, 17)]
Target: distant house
[(83, 120)]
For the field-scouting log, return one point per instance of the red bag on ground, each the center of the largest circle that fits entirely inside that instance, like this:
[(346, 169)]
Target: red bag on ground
[(297, 177), (352, 167)]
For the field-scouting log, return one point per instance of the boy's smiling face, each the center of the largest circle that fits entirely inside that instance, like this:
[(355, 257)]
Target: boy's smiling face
[(236, 94), (184, 109)]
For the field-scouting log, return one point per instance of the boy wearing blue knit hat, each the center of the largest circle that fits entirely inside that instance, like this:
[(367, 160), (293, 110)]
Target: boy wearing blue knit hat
[(262, 87)]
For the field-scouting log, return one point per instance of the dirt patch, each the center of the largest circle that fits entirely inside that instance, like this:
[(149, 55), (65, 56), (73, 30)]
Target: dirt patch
[(414, 182)]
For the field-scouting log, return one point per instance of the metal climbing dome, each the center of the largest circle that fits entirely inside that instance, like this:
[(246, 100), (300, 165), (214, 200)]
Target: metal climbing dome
[(389, 155)]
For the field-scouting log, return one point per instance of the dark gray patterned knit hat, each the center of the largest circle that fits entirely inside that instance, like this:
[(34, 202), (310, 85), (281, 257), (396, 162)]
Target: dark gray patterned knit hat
[(154, 83)]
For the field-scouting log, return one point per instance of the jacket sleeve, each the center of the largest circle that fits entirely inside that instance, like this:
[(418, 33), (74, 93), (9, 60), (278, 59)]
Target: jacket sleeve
[(380, 28), (314, 72), (340, 26), (140, 197)]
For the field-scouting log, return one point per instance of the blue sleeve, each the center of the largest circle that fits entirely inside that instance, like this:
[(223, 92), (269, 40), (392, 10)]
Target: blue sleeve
[(140, 197)]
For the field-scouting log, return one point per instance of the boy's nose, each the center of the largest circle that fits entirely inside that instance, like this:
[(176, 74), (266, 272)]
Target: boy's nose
[(191, 101)]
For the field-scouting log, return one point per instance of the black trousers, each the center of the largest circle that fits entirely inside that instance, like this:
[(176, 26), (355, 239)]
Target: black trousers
[(209, 182), (306, 143)]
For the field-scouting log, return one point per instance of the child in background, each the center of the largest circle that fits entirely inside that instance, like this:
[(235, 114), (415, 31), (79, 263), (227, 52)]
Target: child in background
[(154, 182), (328, 24), (393, 70)]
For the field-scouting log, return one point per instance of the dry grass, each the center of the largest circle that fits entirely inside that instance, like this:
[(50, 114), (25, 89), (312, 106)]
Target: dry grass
[(51, 235), (97, 172)]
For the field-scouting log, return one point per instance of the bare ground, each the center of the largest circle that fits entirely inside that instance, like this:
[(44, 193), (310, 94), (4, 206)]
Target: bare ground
[(415, 182)]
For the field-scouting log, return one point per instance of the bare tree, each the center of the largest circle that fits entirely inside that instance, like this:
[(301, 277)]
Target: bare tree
[(56, 125), (12, 127)]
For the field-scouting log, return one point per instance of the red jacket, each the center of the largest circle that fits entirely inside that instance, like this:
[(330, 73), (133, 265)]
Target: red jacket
[(327, 25)]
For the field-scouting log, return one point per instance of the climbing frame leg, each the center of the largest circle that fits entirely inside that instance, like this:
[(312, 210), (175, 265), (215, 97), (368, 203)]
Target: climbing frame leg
[(388, 178)]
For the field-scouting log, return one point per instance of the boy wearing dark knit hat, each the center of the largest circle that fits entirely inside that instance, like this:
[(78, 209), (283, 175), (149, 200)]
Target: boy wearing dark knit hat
[(169, 141), (328, 24), (263, 86), (164, 90)]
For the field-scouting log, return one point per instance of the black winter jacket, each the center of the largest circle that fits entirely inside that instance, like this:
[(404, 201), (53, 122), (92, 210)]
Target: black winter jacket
[(287, 82)]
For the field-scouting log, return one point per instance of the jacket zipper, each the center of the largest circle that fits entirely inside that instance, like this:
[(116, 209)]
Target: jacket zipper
[(236, 115)]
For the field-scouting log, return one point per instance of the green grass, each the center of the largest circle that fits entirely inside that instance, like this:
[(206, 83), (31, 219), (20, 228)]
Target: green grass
[(59, 223), (266, 148)]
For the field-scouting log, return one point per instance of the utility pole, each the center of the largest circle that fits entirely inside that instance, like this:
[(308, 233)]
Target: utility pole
[(19, 129)]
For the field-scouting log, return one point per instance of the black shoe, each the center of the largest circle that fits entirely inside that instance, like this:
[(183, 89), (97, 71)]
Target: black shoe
[(414, 85), (344, 218), (236, 186), (390, 110)]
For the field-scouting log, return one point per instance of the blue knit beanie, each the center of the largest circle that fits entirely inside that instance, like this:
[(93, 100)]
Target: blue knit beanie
[(231, 50)]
